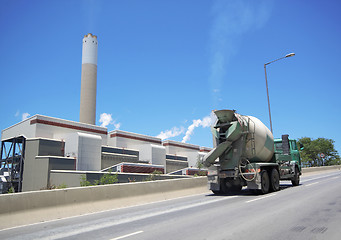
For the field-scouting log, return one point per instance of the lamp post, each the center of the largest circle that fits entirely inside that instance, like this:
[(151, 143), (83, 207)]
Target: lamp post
[(266, 82)]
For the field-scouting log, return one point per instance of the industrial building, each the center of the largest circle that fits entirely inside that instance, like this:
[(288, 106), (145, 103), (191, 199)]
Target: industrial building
[(42, 151)]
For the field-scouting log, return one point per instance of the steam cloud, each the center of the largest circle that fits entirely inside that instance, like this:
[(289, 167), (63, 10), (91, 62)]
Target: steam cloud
[(176, 131), (24, 116), (171, 133), (106, 119), (205, 122)]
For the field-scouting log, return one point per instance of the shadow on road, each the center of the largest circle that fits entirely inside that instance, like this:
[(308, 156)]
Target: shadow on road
[(246, 192)]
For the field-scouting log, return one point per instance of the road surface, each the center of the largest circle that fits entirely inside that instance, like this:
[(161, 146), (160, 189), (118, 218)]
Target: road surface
[(309, 211)]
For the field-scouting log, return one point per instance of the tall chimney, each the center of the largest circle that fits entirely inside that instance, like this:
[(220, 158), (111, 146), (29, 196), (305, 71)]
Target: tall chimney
[(87, 113)]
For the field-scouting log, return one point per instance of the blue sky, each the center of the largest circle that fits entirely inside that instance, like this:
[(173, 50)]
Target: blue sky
[(164, 65)]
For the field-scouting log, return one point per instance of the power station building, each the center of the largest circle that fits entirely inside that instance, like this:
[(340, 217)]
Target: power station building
[(42, 151)]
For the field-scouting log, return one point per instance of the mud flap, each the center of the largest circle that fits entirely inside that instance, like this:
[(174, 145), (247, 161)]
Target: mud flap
[(255, 184), (213, 182)]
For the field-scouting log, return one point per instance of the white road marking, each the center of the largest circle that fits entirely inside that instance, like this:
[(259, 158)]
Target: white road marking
[(103, 211), (325, 176), (127, 235), (270, 195), (312, 184), (86, 228)]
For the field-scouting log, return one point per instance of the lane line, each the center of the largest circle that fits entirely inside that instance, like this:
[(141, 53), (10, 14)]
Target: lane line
[(103, 211), (325, 176), (260, 198), (85, 228), (127, 235), (311, 184)]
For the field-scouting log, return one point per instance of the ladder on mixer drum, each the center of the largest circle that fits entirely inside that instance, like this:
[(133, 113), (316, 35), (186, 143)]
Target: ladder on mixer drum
[(251, 136)]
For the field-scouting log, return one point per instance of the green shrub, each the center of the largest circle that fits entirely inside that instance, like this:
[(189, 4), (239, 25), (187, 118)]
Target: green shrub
[(84, 182), (153, 175), (11, 190), (108, 178)]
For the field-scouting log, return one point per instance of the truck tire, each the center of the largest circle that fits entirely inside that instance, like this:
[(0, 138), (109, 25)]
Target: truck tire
[(265, 182), (236, 188), (224, 186), (274, 180), (296, 179)]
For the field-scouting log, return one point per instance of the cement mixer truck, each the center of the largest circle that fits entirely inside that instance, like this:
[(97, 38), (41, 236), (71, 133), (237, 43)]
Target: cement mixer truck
[(246, 154)]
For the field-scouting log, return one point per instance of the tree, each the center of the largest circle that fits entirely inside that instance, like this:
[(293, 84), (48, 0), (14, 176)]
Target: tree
[(318, 152)]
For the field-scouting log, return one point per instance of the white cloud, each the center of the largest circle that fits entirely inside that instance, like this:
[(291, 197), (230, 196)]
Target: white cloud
[(17, 113), (117, 125), (171, 133), (205, 122), (24, 116), (106, 119)]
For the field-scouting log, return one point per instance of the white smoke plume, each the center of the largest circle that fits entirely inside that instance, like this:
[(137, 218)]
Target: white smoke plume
[(205, 122), (171, 133), (24, 116), (231, 20), (117, 125), (106, 119)]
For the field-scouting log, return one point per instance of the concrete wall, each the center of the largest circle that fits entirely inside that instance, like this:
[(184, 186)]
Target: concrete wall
[(31, 207), (39, 126), (86, 148), (122, 139), (23, 128), (173, 165), (191, 151), (319, 169), (110, 159), (150, 148)]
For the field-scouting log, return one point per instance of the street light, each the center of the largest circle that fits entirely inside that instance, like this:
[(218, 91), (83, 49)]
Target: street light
[(266, 81)]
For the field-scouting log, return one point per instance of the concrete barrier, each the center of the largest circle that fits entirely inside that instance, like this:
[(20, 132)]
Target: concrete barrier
[(31, 207), (37, 206), (320, 169)]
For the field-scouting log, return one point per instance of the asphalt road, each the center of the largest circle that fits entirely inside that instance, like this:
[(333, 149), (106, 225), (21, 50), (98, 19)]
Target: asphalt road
[(309, 211)]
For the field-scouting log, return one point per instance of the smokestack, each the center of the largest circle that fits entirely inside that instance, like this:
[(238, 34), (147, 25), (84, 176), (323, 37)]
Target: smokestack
[(87, 113)]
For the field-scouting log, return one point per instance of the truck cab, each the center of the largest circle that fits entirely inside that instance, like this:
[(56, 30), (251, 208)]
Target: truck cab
[(287, 155), (294, 152)]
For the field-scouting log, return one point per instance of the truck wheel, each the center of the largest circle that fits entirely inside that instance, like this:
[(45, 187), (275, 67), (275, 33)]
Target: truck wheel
[(265, 183), (274, 186), (224, 186), (296, 179)]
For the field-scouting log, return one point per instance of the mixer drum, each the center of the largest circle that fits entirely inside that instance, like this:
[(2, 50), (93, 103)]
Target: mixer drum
[(260, 147)]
